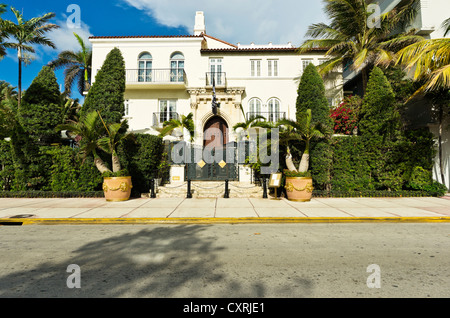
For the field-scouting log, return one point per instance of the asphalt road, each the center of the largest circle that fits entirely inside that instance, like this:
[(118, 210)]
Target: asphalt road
[(226, 261)]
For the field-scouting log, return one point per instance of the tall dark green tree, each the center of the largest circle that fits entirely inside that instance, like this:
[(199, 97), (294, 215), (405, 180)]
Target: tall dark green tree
[(378, 115), (107, 92), (311, 95), (41, 109), (380, 128)]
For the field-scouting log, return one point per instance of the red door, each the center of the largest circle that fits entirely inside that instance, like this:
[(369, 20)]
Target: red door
[(216, 133)]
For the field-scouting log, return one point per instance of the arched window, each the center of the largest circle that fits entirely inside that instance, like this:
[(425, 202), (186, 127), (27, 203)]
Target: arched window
[(177, 67), (254, 107), (274, 109), (145, 67)]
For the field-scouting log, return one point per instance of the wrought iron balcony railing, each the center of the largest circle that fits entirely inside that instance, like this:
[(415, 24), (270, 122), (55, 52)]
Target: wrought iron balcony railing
[(220, 78), (155, 76), (269, 116)]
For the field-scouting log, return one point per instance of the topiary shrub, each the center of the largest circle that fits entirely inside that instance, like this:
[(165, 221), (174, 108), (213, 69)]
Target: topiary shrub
[(142, 156), (107, 92)]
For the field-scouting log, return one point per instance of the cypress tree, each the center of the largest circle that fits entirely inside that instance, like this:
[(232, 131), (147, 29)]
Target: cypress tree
[(41, 109), (379, 126), (311, 95), (107, 93), (378, 115)]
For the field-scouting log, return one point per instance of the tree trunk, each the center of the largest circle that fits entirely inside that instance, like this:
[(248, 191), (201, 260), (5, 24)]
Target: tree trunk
[(441, 163), (116, 162), (99, 163), (304, 163), (19, 97), (289, 162), (364, 79)]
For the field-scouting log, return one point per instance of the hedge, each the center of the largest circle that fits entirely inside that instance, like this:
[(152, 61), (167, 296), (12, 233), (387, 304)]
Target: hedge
[(51, 194)]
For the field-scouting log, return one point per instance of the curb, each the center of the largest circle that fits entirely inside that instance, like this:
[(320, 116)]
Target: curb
[(128, 221)]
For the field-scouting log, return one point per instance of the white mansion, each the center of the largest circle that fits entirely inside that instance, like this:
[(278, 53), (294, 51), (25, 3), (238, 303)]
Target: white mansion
[(170, 76)]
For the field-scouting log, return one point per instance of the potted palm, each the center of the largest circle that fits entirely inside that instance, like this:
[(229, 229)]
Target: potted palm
[(299, 184), (100, 136), (186, 124)]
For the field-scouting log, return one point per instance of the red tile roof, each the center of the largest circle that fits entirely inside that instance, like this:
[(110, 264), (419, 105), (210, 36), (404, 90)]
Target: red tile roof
[(257, 50), (145, 36)]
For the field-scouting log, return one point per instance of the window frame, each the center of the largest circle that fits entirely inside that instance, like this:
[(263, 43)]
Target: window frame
[(177, 72), (272, 67), (274, 110), (167, 114), (253, 108), (255, 67), (145, 73)]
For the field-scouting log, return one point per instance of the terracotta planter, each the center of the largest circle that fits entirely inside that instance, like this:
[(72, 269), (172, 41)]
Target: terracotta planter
[(117, 189), (299, 188)]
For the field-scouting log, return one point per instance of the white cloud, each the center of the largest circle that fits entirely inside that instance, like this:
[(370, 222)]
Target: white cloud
[(65, 39), (241, 21)]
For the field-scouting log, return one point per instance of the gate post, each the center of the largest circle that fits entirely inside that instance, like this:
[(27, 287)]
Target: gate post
[(227, 195), (189, 194), (152, 189), (264, 188)]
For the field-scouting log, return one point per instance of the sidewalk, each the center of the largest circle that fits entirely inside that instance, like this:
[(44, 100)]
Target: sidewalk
[(220, 210)]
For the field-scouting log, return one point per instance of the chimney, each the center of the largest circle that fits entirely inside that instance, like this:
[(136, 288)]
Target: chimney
[(199, 27)]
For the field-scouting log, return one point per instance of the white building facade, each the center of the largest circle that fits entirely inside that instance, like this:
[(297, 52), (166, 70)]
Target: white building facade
[(171, 76)]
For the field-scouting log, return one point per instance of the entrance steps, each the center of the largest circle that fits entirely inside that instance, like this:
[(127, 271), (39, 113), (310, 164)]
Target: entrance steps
[(210, 189)]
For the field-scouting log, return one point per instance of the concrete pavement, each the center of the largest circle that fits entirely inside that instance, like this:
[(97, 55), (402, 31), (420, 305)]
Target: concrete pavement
[(220, 210)]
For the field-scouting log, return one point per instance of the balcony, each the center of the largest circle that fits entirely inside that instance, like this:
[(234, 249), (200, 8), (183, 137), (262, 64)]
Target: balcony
[(160, 118), (156, 78), (219, 78), (269, 116)]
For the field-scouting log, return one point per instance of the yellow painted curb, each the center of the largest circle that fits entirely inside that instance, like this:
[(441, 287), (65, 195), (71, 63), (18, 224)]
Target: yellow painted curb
[(80, 221)]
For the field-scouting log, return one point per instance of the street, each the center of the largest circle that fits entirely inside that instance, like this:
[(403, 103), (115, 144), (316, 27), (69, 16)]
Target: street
[(226, 261)]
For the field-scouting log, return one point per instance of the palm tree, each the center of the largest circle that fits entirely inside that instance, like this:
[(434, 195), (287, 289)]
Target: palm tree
[(302, 129), (430, 61), (89, 129), (186, 122), (26, 33), (3, 34), (77, 67), (253, 121), (110, 142), (351, 41)]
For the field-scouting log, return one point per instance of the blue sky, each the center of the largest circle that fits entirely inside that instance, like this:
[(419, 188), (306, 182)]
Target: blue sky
[(235, 21)]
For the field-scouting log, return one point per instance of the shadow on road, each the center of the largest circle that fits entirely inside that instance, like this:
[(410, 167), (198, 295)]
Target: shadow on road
[(173, 261)]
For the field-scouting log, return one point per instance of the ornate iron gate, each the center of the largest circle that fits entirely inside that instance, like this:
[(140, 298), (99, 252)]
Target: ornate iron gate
[(224, 167)]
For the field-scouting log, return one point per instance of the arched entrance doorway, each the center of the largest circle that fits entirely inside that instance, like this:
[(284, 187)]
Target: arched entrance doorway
[(219, 162), (215, 133)]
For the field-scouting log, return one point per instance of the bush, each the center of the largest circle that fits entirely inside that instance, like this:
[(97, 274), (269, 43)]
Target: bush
[(142, 157), (345, 116), (41, 110), (70, 173), (350, 171), (6, 165)]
